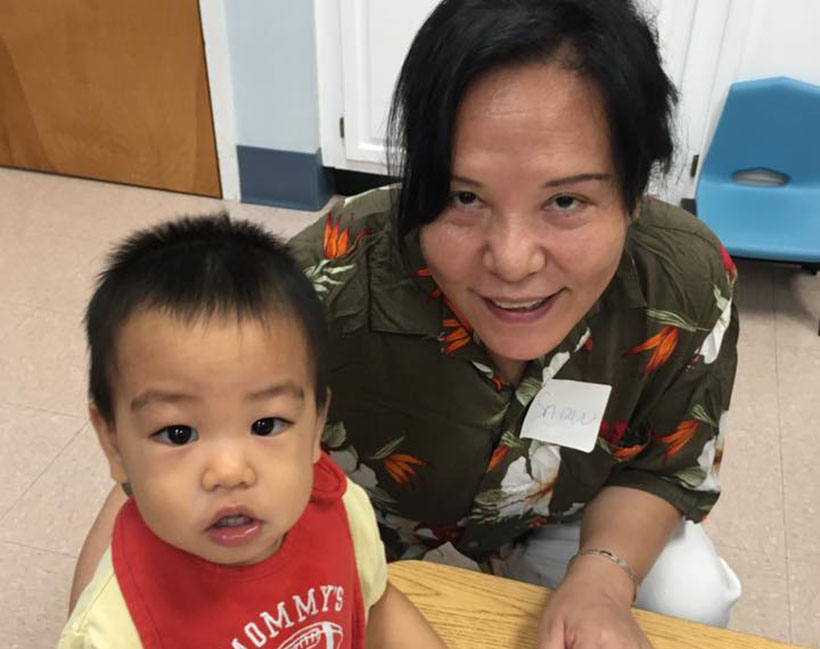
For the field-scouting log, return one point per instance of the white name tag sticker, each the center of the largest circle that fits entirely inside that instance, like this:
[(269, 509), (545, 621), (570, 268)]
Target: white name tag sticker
[(567, 413)]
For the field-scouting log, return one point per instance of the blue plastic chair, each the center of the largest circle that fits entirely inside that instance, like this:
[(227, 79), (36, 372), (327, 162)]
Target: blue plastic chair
[(759, 189)]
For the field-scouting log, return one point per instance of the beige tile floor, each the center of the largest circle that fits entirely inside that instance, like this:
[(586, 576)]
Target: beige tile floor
[(54, 232)]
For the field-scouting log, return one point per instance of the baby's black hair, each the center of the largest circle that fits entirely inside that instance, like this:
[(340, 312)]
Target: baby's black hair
[(199, 267)]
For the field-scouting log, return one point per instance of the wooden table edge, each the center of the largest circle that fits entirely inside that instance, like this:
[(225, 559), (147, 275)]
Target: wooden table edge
[(459, 602)]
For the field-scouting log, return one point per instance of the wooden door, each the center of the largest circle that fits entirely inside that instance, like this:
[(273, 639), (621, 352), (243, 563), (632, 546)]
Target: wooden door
[(112, 90)]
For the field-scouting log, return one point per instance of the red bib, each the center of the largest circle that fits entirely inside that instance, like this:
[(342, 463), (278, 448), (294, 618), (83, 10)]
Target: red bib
[(305, 596)]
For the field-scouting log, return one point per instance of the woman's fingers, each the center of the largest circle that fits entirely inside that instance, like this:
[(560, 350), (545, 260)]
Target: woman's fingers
[(583, 619), (551, 637)]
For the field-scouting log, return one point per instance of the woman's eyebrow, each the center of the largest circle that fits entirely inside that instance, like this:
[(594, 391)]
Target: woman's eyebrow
[(466, 181), (578, 178), (555, 182)]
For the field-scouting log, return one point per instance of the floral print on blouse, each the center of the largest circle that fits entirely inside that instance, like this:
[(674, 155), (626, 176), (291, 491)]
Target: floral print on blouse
[(422, 421)]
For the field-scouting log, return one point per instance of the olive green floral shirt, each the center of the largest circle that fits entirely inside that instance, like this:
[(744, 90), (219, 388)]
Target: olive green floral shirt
[(422, 421)]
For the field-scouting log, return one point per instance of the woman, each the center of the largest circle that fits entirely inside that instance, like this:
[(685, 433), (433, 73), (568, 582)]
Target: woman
[(531, 360)]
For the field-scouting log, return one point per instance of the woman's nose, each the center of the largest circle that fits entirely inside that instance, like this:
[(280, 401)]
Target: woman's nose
[(228, 467), (512, 250)]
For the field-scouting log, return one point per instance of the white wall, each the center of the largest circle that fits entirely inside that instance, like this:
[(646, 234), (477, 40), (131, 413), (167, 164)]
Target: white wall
[(273, 67), (261, 57), (783, 39)]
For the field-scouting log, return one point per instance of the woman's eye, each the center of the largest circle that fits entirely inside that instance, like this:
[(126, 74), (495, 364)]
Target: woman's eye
[(176, 435), (464, 200), (268, 426), (565, 202)]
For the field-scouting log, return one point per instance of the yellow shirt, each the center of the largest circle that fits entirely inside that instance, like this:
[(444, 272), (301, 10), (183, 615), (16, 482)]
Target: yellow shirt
[(101, 619)]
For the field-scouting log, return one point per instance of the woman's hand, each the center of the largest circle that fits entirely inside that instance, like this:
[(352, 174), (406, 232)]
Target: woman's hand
[(591, 609)]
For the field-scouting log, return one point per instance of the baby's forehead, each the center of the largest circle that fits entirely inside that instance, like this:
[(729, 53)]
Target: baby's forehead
[(180, 326), (155, 344)]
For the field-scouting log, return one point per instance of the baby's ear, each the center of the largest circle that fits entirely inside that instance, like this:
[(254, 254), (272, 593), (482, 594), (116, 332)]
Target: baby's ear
[(321, 420), (107, 436)]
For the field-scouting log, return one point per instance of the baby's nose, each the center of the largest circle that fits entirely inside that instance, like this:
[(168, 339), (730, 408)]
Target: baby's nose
[(228, 469)]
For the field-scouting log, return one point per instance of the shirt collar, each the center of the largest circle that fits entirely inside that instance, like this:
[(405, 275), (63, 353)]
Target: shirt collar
[(404, 299)]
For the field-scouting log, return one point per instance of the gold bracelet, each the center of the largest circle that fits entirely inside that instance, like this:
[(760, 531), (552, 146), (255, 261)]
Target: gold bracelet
[(606, 554)]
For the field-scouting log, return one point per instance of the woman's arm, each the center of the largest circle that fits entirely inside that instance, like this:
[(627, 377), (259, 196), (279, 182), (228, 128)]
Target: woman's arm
[(98, 539), (591, 607), (394, 623), (633, 524)]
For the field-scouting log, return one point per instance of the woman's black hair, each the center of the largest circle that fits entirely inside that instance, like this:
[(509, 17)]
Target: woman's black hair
[(199, 267), (606, 41)]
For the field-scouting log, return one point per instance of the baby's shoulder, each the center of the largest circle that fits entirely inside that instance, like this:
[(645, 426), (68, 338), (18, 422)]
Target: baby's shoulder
[(101, 618)]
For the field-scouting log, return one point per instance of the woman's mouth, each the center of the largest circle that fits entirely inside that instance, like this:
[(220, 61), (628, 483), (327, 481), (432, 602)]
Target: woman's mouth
[(519, 306), (521, 311)]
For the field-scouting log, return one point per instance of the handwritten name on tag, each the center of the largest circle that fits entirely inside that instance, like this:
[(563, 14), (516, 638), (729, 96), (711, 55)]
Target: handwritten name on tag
[(567, 413)]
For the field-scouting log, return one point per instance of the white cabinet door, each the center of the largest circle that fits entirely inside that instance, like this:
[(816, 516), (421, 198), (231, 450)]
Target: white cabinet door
[(376, 35), (360, 48)]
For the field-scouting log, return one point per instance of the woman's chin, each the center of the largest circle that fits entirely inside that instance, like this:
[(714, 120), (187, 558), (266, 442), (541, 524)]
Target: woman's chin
[(518, 349)]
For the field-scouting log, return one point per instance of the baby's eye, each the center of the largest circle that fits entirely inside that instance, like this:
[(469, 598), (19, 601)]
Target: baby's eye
[(567, 202), (176, 435), (464, 200), (268, 426)]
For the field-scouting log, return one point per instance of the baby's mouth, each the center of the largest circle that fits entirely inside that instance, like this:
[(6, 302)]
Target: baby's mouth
[(233, 516), (233, 521), (234, 526)]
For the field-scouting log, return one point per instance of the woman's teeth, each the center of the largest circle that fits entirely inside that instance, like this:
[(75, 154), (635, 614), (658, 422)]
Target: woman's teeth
[(233, 521), (520, 306)]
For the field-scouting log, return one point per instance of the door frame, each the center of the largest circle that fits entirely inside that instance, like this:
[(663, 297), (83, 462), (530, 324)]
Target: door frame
[(217, 58)]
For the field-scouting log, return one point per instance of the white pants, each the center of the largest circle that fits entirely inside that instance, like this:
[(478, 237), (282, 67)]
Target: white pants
[(689, 580)]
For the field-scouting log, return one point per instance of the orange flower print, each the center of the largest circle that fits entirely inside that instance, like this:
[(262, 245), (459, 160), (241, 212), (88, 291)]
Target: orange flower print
[(462, 331), (457, 338), (664, 343), (427, 273), (680, 438), (498, 382), (628, 452), (401, 467), (728, 263), (336, 241), (613, 433), (498, 456)]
